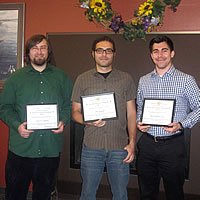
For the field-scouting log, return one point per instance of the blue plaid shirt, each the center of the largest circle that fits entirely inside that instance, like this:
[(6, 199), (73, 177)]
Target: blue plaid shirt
[(174, 84)]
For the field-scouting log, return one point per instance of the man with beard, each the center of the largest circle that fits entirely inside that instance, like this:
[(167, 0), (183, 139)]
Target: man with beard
[(34, 155), (107, 142)]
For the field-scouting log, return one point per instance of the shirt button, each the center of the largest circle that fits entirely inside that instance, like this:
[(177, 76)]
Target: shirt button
[(41, 92), (41, 82), (40, 135)]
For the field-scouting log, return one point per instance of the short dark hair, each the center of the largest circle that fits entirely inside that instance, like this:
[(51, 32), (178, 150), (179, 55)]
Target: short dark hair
[(159, 39), (31, 42), (101, 39)]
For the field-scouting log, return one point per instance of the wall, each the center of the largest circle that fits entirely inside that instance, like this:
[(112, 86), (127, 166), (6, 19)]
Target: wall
[(65, 16), (42, 16)]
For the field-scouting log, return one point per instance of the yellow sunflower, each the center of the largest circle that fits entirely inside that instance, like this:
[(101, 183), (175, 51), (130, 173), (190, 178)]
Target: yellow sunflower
[(99, 6), (146, 8)]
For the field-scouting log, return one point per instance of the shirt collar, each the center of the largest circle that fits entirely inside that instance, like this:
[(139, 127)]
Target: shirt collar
[(170, 72), (31, 69), (95, 72)]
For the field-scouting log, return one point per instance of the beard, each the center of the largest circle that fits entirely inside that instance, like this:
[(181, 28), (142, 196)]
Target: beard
[(39, 61), (104, 63)]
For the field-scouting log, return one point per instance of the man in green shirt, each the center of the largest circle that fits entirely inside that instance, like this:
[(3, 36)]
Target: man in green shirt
[(34, 154)]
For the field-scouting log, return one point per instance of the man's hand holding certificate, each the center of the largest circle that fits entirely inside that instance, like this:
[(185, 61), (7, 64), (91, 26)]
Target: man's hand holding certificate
[(42, 116), (158, 112), (100, 106)]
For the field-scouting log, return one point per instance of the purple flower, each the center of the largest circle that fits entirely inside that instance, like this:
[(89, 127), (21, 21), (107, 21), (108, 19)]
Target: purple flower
[(116, 23), (146, 23)]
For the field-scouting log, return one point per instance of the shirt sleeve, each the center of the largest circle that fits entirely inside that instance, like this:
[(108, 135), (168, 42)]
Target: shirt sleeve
[(7, 105), (139, 101), (76, 94), (131, 89), (192, 93)]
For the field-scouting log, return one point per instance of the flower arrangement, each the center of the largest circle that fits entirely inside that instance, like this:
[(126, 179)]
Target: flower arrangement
[(147, 18)]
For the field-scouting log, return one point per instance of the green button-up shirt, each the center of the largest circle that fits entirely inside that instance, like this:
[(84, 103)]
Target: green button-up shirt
[(28, 86)]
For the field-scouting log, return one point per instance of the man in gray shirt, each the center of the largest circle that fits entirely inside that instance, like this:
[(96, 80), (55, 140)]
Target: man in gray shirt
[(109, 143)]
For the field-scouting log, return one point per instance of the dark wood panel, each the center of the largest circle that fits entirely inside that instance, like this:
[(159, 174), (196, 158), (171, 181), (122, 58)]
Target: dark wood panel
[(72, 52)]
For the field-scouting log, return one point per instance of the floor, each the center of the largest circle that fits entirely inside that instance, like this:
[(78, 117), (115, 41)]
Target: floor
[(67, 197), (56, 197), (71, 197)]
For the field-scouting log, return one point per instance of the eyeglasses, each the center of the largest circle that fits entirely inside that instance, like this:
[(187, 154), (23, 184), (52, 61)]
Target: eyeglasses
[(107, 51), (42, 48)]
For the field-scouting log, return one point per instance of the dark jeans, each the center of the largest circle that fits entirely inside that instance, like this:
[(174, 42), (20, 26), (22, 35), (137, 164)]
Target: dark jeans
[(163, 159), (20, 171)]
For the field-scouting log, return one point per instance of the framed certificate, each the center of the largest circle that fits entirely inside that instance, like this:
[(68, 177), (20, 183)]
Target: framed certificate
[(158, 112), (99, 106), (43, 116)]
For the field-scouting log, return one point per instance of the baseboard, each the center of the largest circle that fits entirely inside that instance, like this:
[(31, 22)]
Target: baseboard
[(2, 194), (74, 188)]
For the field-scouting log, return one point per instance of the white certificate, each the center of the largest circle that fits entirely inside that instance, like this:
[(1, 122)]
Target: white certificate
[(44, 116), (158, 111), (99, 106)]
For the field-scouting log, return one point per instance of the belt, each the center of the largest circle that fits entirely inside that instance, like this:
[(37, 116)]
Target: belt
[(164, 138)]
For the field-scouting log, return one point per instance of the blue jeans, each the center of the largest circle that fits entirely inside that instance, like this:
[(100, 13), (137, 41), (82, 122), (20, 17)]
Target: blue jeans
[(93, 162)]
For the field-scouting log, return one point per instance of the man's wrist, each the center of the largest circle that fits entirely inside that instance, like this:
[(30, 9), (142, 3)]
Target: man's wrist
[(131, 141)]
